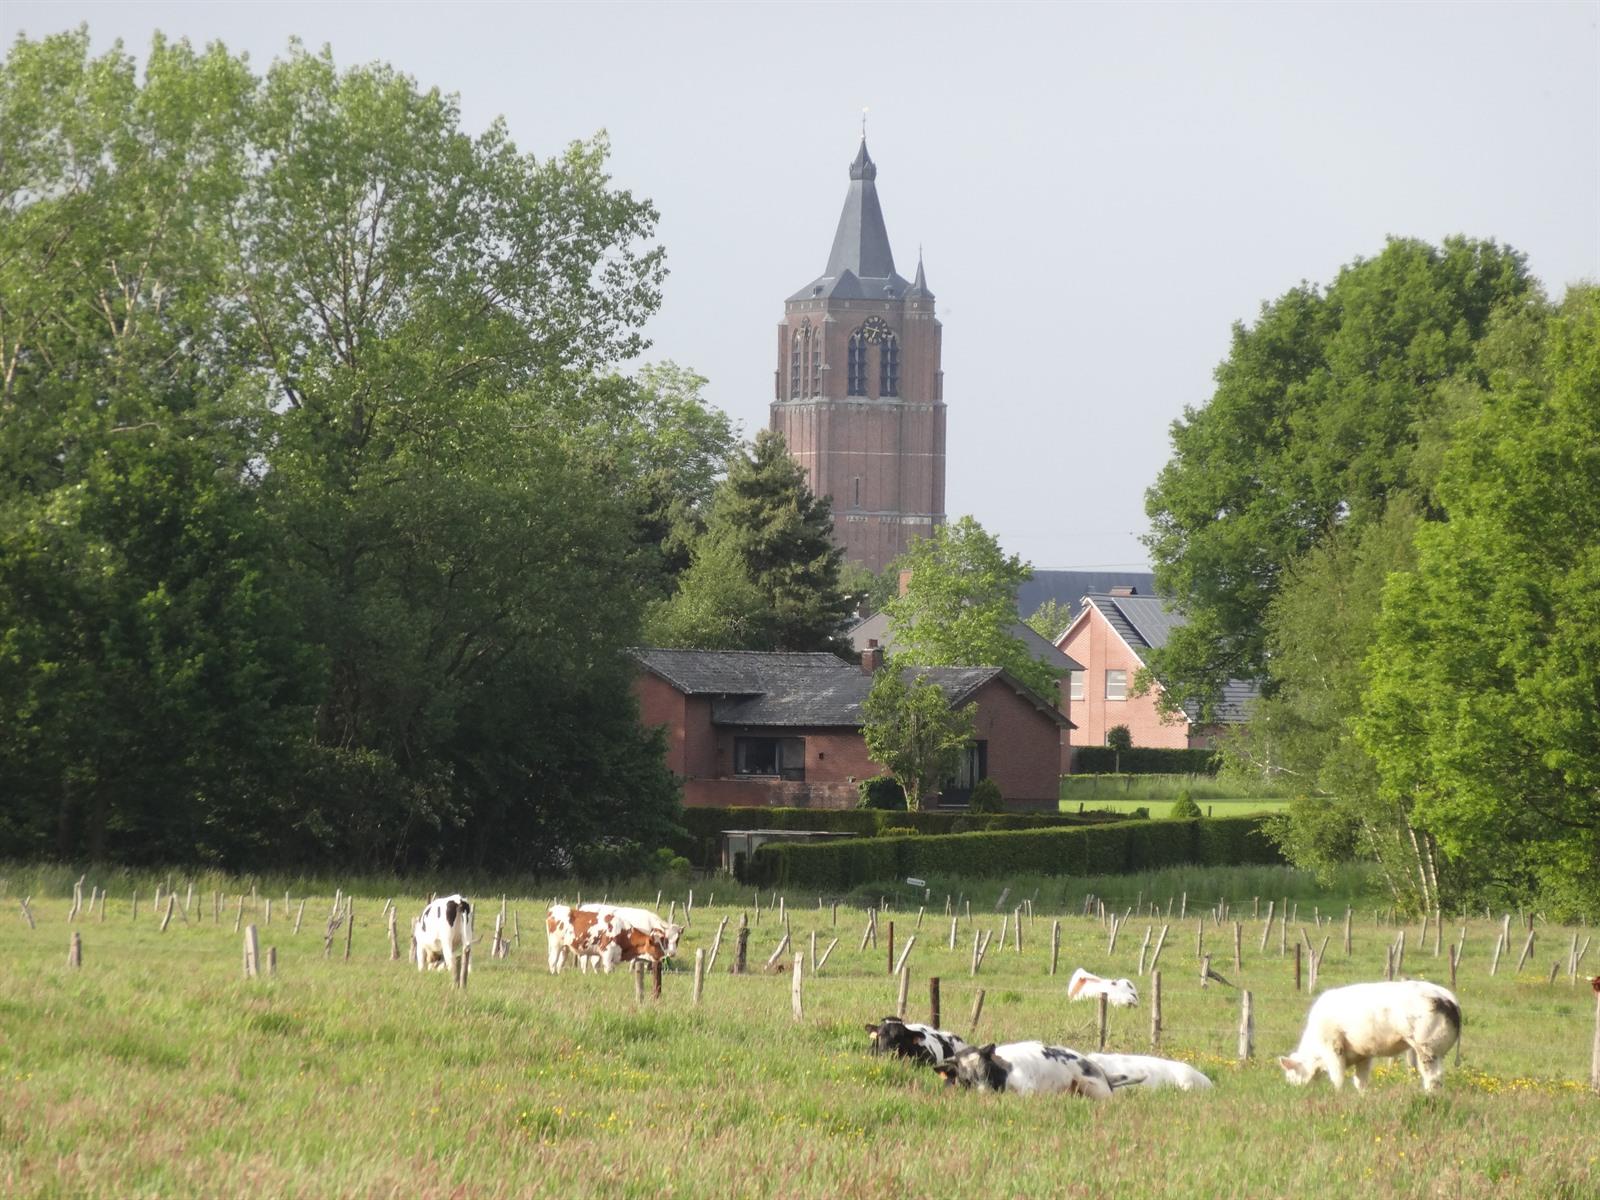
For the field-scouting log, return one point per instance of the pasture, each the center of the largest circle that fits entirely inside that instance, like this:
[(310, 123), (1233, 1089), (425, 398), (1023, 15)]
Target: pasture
[(156, 1069)]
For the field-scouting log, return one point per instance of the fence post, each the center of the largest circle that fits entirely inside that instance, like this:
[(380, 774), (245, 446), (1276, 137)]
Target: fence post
[(890, 962), (977, 1011), (1247, 1028), (1499, 944), (1155, 955), (1266, 928), (904, 994), (794, 985), (1205, 967), (299, 913), (1155, 1009), (1100, 1019), (933, 1001), (953, 921), (1455, 959), (394, 937), (252, 953), (700, 973), (75, 950), (1527, 949), (350, 928), (1347, 932), (655, 978), (1238, 934), (172, 903), (1594, 1054), (1297, 966), (823, 961), (1055, 944), (905, 953), (741, 948)]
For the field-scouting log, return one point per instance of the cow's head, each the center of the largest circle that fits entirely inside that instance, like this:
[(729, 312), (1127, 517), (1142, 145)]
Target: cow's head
[(890, 1036), (1297, 1070), (976, 1067), (669, 940)]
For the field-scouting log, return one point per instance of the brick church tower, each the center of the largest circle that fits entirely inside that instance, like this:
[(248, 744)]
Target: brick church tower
[(859, 392)]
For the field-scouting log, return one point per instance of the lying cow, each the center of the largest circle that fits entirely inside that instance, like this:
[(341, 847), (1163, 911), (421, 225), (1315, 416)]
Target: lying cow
[(1348, 1027), (442, 932), (907, 1039), (1147, 1071), (1119, 993), (1027, 1068), (603, 935)]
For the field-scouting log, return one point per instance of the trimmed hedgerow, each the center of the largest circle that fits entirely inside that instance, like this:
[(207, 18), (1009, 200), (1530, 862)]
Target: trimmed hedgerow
[(1143, 760), (1092, 849)]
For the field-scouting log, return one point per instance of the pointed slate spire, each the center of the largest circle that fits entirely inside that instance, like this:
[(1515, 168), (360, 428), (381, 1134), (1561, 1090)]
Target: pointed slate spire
[(919, 285), (861, 243)]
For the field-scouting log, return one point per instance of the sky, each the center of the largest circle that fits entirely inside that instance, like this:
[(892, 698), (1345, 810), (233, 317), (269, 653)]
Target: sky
[(1099, 191)]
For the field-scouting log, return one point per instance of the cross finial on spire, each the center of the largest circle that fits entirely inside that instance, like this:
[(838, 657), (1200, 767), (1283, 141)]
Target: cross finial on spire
[(863, 122)]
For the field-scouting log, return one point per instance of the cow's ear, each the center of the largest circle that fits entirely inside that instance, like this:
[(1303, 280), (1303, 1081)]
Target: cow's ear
[(1287, 1062), (987, 1051), (872, 1029)]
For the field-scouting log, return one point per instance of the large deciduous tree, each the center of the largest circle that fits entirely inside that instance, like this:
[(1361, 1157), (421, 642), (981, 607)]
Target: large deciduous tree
[(1314, 427), (1483, 714), (959, 606), (910, 727)]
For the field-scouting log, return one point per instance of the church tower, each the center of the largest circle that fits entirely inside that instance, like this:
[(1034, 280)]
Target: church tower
[(859, 393)]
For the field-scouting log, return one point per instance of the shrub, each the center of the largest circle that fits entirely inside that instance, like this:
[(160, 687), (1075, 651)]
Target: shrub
[(1184, 808), (1119, 737), (1093, 849), (882, 792), (899, 831), (986, 797), (1143, 760)]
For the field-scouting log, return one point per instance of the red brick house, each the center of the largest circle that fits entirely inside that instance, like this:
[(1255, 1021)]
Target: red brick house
[(1111, 637), (747, 727)]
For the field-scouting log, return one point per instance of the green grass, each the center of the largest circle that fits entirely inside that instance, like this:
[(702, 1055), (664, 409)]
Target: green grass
[(1228, 806), (1094, 790), (157, 1071)]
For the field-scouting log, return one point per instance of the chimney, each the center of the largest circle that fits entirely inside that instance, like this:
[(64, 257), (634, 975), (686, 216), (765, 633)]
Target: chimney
[(1124, 589), (905, 581), (871, 657)]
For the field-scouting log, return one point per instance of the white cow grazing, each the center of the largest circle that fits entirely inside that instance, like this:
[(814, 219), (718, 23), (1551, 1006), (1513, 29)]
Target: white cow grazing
[(443, 931), (1147, 1071), (1348, 1027), (605, 935), (1028, 1068), (1119, 993)]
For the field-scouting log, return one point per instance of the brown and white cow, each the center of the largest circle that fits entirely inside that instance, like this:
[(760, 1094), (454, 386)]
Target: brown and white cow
[(603, 935)]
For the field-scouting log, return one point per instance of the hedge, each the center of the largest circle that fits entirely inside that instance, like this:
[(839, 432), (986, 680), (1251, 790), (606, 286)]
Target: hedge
[(1143, 760), (704, 826), (1087, 850)]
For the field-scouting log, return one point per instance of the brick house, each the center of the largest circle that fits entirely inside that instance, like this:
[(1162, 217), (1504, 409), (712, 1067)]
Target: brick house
[(749, 727), (1111, 636)]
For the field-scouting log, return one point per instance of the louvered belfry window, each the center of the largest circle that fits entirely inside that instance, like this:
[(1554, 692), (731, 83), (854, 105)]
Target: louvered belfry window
[(858, 364), (794, 366), (889, 367)]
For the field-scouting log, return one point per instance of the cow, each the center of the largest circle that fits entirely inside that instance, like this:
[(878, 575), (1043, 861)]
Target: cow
[(1120, 993), (603, 935), (443, 931), (1026, 1068), (1147, 1071), (920, 1043), (1348, 1027)]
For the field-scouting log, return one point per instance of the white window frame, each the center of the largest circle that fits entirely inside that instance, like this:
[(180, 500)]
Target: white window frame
[(1122, 683)]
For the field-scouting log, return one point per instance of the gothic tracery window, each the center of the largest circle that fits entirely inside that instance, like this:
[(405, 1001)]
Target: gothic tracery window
[(889, 366), (794, 367), (857, 365)]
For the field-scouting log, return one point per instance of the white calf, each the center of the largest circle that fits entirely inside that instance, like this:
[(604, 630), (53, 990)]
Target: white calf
[(1027, 1068), (443, 931), (1348, 1027), (1145, 1071), (1119, 993)]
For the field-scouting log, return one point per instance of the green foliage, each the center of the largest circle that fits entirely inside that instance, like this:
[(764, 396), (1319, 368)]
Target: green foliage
[(765, 574), (881, 792), (986, 797), (899, 831), (1050, 619), (306, 548), (1482, 714), (868, 592), (1142, 760), (1184, 808), (911, 729), (1314, 426), (1119, 737), (960, 605), (1108, 848)]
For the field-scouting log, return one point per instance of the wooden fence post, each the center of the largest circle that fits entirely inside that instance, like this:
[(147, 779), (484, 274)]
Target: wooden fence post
[(905, 953), (394, 936), (1100, 1019), (890, 959), (795, 975), (299, 914), (1238, 934), (1247, 1028), (1347, 932), (75, 951), (1499, 944), (1055, 944), (1266, 928), (1594, 1054), (700, 974), (350, 930), (252, 953), (463, 967), (977, 1011), (1297, 966), (272, 962), (953, 921), (238, 917), (1400, 954), (933, 1001), (1155, 1009), (655, 978), (1527, 949), (823, 961), (741, 949), (135, 916), (1155, 955), (903, 995)]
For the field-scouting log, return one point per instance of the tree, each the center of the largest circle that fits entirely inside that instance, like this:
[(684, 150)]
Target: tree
[(1314, 426), (911, 729), (766, 571), (959, 606), (1482, 713), (1119, 737), (1050, 619)]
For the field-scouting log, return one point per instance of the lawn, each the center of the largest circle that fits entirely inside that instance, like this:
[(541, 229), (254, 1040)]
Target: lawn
[(156, 1070), (1228, 806)]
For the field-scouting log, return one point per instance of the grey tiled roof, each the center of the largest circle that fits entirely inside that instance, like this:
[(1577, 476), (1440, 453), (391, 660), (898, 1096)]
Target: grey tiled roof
[(1145, 623), (1070, 587), (750, 687), (860, 264), (877, 626)]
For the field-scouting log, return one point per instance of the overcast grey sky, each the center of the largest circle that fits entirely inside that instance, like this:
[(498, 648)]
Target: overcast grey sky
[(1100, 190)]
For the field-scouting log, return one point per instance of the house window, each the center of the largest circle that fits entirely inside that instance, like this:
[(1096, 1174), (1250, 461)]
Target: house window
[(974, 766), (857, 364), (889, 367), (1116, 685), (781, 758), (1075, 685)]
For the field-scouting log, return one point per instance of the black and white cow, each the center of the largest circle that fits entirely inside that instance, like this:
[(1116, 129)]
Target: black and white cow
[(1027, 1068), (443, 931), (907, 1039)]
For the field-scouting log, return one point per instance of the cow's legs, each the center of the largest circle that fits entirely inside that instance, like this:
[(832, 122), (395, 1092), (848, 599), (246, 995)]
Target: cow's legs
[(1362, 1069), (1335, 1065), (449, 956)]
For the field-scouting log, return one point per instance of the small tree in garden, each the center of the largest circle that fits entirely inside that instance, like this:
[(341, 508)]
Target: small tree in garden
[(911, 729), (1119, 737), (986, 797)]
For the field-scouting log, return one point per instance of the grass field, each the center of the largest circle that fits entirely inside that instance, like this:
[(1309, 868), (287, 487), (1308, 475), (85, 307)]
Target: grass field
[(156, 1070), (1228, 806)]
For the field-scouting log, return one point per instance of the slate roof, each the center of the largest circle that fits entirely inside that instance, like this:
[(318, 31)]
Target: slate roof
[(860, 264), (752, 687), (1070, 587), (1145, 623), (877, 626)]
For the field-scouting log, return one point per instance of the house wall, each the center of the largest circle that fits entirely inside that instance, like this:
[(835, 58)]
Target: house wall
[(1092, 642), (1024, 747)]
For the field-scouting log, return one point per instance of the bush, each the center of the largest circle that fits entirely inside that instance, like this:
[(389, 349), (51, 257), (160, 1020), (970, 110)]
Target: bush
[(1184, 808), (1119, 737), (1143, 760), (1093, 849), (899, 831), (986, 797), (882, 792)]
